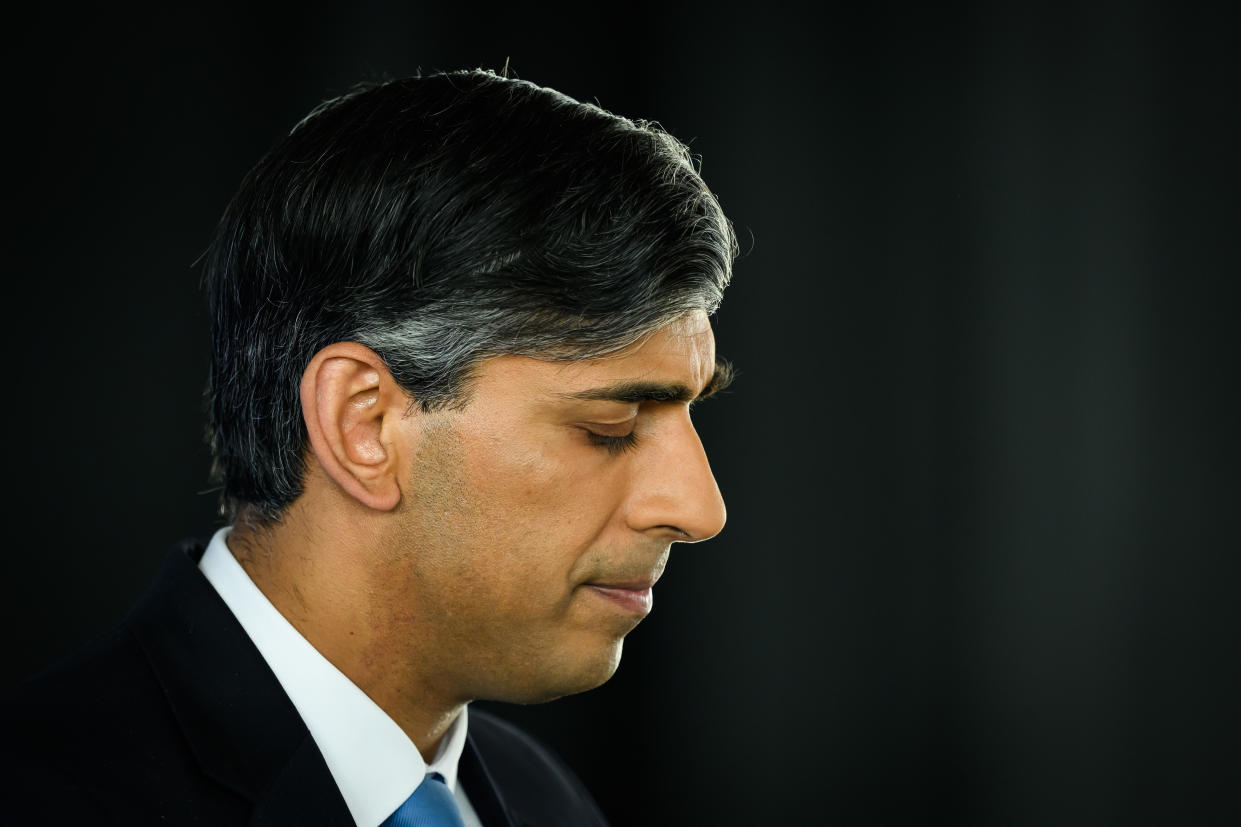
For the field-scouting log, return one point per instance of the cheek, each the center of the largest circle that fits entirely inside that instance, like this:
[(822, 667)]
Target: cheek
[(539, 507), (543, 476)]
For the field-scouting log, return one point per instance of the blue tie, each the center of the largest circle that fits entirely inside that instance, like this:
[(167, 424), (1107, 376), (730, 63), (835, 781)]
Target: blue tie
[(431, 805)]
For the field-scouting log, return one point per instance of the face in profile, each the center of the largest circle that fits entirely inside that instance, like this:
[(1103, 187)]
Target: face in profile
[(537, 519)]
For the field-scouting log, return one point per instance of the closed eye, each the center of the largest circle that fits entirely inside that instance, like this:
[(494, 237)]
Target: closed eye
[(614, 444)]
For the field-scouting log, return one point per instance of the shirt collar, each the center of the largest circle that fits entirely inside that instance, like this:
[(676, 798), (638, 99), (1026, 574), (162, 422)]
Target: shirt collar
[(372, 760)]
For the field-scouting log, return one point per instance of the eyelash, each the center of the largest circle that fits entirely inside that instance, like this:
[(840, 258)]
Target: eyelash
[(615, 444)]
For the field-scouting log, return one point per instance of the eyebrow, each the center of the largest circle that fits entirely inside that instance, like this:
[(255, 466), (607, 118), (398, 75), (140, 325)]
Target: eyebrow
[(637, 392)]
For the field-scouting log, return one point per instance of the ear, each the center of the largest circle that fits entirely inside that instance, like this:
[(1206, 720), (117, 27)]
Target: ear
[(353, 408)]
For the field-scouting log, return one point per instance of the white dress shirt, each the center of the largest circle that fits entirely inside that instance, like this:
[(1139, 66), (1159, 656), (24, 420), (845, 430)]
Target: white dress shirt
[(372, 760)]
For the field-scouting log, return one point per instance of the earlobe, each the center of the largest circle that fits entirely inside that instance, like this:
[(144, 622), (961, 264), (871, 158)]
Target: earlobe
[(350, 403)]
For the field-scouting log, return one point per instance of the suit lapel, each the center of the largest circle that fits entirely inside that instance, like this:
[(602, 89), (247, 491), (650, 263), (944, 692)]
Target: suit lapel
[(302, 793), (484, 795), (240, 724)]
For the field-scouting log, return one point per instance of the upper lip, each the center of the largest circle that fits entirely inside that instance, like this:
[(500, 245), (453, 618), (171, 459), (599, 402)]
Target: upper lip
[(635, 574)]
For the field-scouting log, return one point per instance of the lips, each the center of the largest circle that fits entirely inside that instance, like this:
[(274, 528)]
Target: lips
[(633, 596), (636, 585)]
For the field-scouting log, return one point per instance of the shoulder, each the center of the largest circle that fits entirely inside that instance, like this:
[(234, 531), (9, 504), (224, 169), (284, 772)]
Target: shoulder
[(54, 721), (101, 692), (532, 779), (93, 739), (106, 698)]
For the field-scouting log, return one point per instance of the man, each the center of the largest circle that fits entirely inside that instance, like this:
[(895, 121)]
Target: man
[(457, 325)]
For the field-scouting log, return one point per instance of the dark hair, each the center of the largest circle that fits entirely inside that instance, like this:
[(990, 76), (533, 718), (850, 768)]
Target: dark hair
[(442, 220)]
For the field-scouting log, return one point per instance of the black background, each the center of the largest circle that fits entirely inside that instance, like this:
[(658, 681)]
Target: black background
[(981, 462)]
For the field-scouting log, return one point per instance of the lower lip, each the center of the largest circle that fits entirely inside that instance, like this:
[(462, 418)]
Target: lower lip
[(637, 601)]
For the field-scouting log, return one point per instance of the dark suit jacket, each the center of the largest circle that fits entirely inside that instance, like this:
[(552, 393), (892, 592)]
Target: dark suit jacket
[(175, 718)]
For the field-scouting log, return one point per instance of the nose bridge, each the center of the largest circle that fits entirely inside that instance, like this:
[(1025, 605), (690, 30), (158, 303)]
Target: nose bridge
[(676, 487)]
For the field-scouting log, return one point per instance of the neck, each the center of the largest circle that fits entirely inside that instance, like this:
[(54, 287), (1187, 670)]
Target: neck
[(345, 596)]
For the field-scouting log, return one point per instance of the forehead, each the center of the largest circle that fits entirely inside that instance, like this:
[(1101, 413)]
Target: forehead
[(681, 352)]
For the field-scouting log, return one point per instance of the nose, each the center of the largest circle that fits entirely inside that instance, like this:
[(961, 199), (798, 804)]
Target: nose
[(674, 490)]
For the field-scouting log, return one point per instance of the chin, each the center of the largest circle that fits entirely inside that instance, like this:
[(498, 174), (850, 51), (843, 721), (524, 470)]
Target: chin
[(568, 674)]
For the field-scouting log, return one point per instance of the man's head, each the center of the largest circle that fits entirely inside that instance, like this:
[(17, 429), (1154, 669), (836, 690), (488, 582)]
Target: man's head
[(465, 316)]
